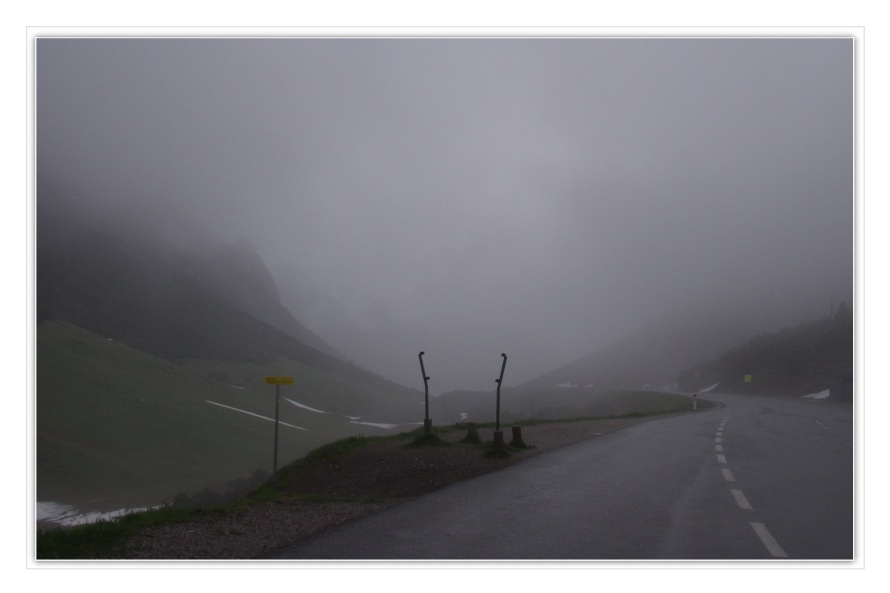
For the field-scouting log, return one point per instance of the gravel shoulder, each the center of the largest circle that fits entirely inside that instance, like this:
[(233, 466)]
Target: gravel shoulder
[(385, 472)]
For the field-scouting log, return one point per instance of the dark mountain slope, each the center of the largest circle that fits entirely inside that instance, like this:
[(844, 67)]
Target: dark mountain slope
[(809, 358), (652, 355), (239, 274), (175, 303)]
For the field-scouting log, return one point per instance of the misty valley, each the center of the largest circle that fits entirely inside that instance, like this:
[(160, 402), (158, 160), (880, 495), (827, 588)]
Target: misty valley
[(354, 264), (150, 378)]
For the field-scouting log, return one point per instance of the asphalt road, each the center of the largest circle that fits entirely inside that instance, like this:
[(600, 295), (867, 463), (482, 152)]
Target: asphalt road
[(759, 479)]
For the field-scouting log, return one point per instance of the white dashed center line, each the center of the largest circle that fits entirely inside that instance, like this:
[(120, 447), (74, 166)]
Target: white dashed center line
[(740, 499), (760, 529), (771, 544)]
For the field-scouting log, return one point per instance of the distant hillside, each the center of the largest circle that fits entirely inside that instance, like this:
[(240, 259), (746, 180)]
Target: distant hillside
[(217, 302), (240, 275), (810, 358), (651, 356)]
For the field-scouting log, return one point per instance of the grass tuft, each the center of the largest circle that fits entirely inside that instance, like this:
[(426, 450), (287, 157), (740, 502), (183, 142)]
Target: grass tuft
[(428, 440), (105, 539)]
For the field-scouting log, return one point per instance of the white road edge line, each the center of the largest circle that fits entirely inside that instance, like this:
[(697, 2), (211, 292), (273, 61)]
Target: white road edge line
[(718, 447), (740, 499), (727, 475), (771, 544), (721, 458)]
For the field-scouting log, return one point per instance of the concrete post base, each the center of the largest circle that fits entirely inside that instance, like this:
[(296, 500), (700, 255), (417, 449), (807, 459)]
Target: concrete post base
[(499, 440), (472, 435), (517, 438)]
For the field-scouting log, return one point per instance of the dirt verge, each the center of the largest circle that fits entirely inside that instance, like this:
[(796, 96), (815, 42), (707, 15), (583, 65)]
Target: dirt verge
[(385, 472)]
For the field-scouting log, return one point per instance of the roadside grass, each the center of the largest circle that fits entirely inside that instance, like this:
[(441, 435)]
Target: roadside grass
[(106, 539)]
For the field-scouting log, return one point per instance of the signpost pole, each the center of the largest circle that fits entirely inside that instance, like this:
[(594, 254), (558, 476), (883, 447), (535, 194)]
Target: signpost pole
[(275, 454), (277, 382)]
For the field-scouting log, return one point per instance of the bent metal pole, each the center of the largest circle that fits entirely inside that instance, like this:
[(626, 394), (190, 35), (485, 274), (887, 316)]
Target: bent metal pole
[(499, 380), (426, 396)]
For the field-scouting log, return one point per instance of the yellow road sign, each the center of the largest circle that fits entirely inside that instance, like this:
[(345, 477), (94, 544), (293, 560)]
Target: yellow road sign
[(279, 380)]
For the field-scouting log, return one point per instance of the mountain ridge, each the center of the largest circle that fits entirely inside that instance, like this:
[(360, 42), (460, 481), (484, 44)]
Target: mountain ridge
[(218, 301)]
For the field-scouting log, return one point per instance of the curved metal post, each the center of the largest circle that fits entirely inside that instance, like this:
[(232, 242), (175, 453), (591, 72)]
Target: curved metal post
[(426, 396), (499, 380)]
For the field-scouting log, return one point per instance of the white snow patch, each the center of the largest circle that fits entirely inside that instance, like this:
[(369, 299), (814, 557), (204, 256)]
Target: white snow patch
[(566, 385), (708, 388), (305, 407), (352, 417), (67, 515), (237, 387), (256, 415), (820, 395), (375, 424), (384, 425), (464, 415)]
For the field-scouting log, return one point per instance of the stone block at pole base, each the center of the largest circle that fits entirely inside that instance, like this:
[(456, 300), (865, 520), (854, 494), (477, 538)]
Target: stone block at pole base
[(472, 435), (427, 426), (517, 438)]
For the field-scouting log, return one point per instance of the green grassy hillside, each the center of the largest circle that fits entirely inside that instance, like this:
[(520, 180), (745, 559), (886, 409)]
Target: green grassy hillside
[(117, 427)]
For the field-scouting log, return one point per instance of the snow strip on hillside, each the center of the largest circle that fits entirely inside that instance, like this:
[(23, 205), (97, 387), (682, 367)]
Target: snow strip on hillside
[(375, 424), (257, 415), (67, 515), (709, 388), (383, 425), (820, 395), (305, 407)]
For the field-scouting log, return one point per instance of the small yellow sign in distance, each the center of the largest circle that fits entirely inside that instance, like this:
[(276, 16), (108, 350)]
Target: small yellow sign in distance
[(279, 380), (748, 378)]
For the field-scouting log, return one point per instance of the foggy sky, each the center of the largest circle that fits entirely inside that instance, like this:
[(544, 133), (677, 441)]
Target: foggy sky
[(538, 197)]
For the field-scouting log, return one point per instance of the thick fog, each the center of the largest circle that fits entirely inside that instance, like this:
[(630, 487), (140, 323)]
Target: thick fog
[(468, 197)]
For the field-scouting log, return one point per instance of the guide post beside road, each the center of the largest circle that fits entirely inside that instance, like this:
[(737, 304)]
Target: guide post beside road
[(277, 382)]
